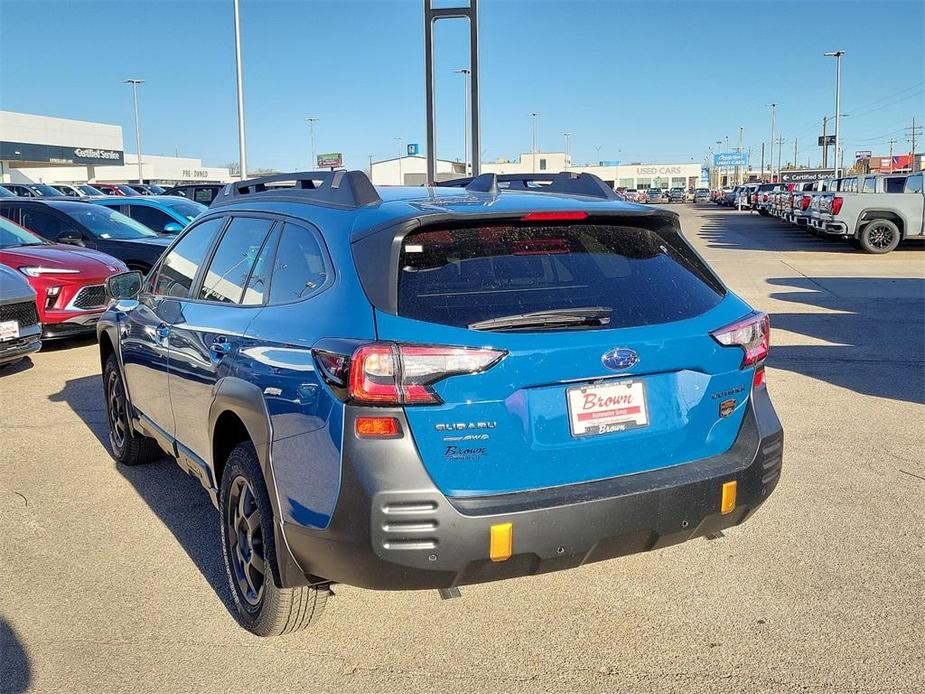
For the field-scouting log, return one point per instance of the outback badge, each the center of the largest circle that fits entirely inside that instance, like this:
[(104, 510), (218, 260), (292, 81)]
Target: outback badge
[(619, 358)]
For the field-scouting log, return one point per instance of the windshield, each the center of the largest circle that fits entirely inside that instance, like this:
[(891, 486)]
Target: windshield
[(125, 189), (156, 189), (14, 235), (90, 190), (103, 223), (7, 193), (655, 191), (188, 208), (45, 190)]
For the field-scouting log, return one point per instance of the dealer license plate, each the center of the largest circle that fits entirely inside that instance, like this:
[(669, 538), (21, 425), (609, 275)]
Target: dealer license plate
[(607, 408), (9, 330)]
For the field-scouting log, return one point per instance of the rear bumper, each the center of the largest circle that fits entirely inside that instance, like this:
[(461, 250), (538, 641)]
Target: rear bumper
[(393, 530), (830, 227)]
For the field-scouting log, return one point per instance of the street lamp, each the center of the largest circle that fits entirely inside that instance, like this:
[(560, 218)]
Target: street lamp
[(837, 55), (567, 136), (534, 116), (598, 148), (719, 176), (242, 144), (465, 72), (311, 129), (135, 83), (771, 157), (401, 147)]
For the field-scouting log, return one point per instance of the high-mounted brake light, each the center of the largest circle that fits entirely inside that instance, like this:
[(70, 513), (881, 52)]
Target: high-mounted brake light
[(553, 216), (752, 334), (384, 373), (836, 204)]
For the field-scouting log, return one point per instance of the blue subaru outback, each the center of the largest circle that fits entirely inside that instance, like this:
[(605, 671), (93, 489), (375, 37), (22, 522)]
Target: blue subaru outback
[(409, 388)]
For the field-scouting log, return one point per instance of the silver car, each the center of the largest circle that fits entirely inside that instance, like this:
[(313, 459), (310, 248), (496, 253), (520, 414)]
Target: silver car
[(20, 330)]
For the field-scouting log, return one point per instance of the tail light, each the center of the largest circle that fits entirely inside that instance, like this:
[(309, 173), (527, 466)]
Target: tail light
[(836, 204), (791, 200), (764, 198), (384, 373), (805, 202), (752, 334)]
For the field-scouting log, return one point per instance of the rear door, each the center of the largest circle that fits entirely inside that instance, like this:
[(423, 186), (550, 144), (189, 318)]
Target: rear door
[(210, 327), (646, 389)]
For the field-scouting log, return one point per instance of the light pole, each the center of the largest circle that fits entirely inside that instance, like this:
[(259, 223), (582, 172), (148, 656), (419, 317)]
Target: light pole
[(567, 136), (135, 83), (837, 55), (719, 176), (740, 169), (401, 147), (771, 141), (311, 129), (598, 148), (242, 143), (535, 116), (465, 72)]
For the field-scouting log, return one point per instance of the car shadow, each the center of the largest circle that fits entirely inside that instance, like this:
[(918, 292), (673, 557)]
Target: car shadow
[(60, 343), (177, 499), (866, 333), (15, 668), (16, 367), (727, 228)]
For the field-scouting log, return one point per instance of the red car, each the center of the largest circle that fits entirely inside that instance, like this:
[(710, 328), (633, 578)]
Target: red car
[(117, 189), (68, 280)]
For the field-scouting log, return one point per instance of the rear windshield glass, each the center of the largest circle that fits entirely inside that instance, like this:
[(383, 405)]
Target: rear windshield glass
[(465, 276)]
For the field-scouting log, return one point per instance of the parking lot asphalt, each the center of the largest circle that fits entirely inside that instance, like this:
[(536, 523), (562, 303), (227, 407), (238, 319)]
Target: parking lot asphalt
[(111, 578)]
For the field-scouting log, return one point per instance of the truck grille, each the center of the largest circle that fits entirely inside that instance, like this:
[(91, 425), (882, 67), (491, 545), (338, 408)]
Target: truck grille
[(23, 313), (90, 297)]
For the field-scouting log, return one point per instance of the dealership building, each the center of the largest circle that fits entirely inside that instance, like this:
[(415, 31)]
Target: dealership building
[(42, 149), (412, 170)]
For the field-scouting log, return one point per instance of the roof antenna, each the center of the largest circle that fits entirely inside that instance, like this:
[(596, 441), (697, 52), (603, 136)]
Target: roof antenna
[(485, 183)]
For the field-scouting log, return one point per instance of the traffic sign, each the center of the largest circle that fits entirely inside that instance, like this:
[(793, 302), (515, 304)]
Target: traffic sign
[(413, 149)]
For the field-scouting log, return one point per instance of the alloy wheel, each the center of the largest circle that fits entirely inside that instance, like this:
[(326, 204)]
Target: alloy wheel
[(245, 540), (116, 411), (880, 236)]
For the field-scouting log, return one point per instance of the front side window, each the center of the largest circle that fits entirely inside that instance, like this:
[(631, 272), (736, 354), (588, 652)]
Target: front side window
[(13, 235), (176, 274), (300, 269), (233, 260), (42, 223)]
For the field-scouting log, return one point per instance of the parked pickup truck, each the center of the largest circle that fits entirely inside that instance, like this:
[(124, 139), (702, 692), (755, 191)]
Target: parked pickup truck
[(763, 197), (873, 221), (801, 197)]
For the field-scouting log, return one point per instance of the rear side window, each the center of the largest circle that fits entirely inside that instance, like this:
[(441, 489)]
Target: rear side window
[(299, 270), (176, 274), (870, 184), (464, 276), (233, 260), (914, 184)]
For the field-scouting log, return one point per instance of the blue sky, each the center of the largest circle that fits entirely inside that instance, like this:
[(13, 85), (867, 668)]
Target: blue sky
[(647, 81)]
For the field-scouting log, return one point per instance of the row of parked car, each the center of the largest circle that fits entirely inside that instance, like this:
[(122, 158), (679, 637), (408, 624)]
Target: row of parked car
[(661, 196), (200, 192), (873, 212), (59, 246)]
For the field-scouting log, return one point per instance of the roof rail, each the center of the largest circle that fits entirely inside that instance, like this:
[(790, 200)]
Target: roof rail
[(569, 182), (343, 188)]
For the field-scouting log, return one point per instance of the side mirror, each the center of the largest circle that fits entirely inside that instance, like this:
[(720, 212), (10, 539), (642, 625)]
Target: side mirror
[(125, 285), (71, 237), (173, 228)]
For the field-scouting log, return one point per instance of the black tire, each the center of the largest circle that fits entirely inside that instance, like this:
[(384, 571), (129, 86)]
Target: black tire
[(250, 553), (127, 446), (879, 236)]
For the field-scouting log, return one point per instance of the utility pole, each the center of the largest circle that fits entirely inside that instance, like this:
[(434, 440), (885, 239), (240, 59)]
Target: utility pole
[(464, 71), (913, 133), (534, 116), (761, 173), (739, 167), (567, 136), (892, 142), (795, 150), (135, 83), (311, 128), (771, 141), (242, 143), (780, 148), (598, 148), (370, 156), (401, 152), (837, 55), (825, 143)]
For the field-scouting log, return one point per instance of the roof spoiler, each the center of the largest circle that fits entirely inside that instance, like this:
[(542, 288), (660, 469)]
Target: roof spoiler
[(345, 188), (568, 182)]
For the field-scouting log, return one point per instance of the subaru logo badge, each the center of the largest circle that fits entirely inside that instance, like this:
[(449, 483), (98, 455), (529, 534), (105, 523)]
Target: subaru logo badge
[(619, 359)]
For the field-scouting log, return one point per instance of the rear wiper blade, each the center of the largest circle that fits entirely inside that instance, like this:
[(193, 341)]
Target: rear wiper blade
[(588, 315)]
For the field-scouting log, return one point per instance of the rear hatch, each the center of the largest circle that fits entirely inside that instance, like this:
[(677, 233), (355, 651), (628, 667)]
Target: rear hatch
[(588, 352)]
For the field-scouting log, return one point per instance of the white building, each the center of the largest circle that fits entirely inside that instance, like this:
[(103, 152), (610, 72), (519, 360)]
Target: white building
[(42, 149), (414, 171)]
